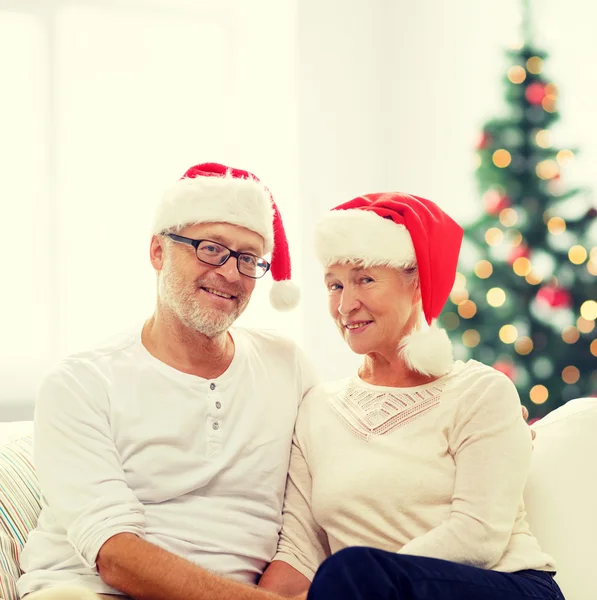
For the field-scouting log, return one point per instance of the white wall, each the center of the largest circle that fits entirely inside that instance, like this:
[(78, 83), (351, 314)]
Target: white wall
[(397, 96), (323, 99), (104, 104)]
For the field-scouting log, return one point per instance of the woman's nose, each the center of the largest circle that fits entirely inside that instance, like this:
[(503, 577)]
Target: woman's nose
[(348, 302)]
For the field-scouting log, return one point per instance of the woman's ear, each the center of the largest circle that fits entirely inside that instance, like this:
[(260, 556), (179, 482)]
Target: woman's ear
[(417, 297)]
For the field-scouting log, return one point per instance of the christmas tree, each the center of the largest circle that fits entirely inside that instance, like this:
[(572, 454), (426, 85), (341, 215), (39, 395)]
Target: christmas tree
[(525, 296)]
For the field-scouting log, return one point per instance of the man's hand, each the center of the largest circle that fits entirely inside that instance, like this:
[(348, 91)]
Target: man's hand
[(525, 416)]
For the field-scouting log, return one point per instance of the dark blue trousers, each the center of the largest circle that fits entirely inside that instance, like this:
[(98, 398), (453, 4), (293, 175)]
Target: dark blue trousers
[(370, 574)]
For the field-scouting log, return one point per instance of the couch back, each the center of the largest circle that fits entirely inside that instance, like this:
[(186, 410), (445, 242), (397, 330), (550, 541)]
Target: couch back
[(12, 431), (560, 496)]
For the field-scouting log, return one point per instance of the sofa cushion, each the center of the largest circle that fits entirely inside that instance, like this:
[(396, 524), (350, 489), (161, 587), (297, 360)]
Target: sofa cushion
[(19, 509), (561, 494)]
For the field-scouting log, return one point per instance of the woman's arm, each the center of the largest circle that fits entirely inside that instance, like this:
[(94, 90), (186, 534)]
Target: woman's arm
[(303, 545), (281, 578), (492, 450)]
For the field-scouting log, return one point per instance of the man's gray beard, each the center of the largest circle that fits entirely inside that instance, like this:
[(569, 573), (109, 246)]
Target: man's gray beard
[(181, 298)]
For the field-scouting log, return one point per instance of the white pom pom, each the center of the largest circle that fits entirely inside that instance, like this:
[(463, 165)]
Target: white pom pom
[(284, 295), (428, 351), (63, 592)]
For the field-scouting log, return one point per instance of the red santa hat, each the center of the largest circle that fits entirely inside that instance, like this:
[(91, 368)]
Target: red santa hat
[(399, 230), (214, 193)]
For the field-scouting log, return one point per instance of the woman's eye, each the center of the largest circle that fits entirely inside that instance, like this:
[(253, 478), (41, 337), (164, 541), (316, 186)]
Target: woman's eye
[(366, 280), (334, 287)]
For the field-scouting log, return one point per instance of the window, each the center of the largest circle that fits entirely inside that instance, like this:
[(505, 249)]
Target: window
[(103, 106)]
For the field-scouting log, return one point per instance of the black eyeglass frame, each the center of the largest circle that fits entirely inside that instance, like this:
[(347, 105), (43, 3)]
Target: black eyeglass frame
[(196, 243)]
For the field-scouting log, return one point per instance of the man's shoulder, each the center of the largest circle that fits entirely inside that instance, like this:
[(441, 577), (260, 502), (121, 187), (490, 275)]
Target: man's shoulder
[(96, 356)]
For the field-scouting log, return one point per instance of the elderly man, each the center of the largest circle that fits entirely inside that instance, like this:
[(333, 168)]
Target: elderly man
[(162, 454)]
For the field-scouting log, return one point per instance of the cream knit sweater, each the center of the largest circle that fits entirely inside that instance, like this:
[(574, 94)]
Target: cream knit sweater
[(436, 470)]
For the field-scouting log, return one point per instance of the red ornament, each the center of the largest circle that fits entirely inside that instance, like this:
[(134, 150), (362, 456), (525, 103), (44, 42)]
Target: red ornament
[(555, 297), (535, 93), (507, 368), (483, 141), (495, 202), (520, 251)]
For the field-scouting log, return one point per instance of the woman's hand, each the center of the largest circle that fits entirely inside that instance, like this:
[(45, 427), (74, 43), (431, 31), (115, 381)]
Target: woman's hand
[(525, 416)]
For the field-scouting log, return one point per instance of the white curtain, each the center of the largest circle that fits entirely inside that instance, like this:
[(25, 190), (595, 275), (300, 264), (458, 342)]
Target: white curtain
[(103, 105)]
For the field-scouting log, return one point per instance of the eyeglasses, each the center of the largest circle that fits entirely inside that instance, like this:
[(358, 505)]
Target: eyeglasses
[(216, 254)]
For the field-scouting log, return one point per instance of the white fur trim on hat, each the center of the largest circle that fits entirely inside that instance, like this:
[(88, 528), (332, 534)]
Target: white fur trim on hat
[(243, 202), (428, 350), (284, 295), (362, 235), (63, 592)]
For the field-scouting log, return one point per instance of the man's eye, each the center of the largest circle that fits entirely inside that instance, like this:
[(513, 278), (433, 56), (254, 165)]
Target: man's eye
[(211, 249)]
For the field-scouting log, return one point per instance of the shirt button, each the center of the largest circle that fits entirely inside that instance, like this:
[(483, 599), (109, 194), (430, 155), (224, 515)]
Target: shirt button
[(216, 426), (212, 386), (218, 405)]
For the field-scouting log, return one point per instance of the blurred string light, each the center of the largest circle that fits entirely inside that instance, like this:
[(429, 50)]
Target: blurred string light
[(467, 309), (522, 266), (451, 321), (556, 225), (471, 338), (594, 347), (571, 335), (483, 269), (459, 296), (543, 367), (577, 254), (508, 334), (549, 101), (496, 297), (539, 394), (501, 158), (515, 239), (523, 345), (534, 65), (459, 292), (547, 169), (508, 217), (585, 325), (570, 374), (563, 157), (517, 74), (459, 281), (542, 138), (533, 278), (494, 236), (588, 310)]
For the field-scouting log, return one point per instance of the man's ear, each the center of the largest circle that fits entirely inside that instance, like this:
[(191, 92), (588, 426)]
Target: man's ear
[(156, 252)]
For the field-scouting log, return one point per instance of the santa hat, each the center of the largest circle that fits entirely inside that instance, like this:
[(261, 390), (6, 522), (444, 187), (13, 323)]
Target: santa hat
[(214, 193), (399, 230)]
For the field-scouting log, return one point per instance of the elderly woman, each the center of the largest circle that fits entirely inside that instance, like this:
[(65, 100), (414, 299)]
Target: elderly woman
[(409, 475)]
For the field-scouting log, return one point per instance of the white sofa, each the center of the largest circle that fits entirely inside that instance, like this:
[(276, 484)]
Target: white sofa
[(561, 494)]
